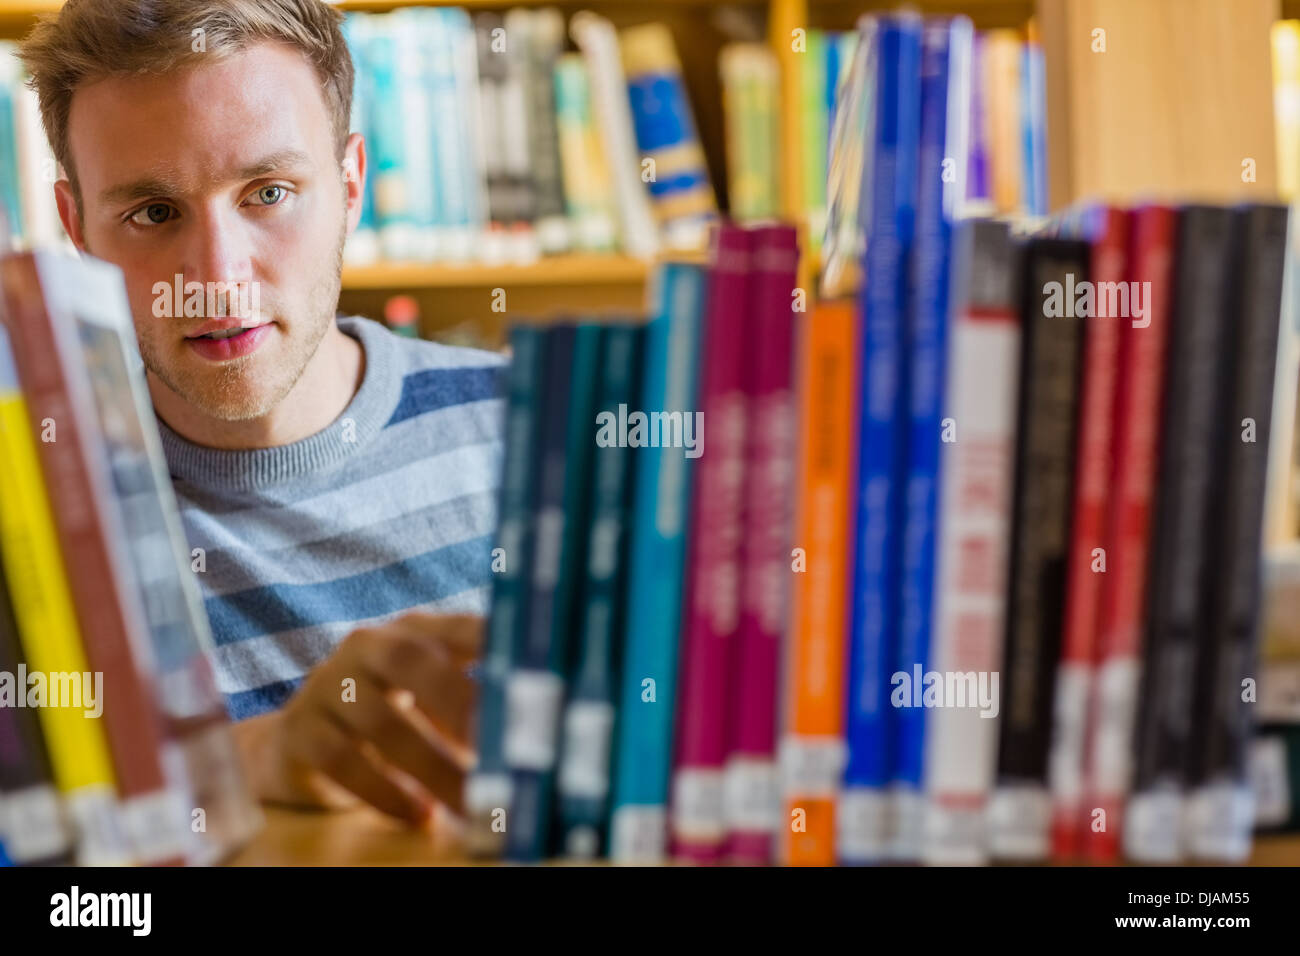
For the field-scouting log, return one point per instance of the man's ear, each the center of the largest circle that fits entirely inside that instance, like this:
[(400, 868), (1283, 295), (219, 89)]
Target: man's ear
[(354, 175), (68, 213)]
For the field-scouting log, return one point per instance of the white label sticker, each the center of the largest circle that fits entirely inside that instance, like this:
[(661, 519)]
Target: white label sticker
[(638, 834), (752, 795), (32, 825), (698, 805), (584, 761), (533, 702), (1269, 780)]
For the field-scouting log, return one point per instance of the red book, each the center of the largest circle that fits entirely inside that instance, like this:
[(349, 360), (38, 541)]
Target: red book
[(1137, 417), (712, 607), (44, 295), (753, 797), (1107, 228)]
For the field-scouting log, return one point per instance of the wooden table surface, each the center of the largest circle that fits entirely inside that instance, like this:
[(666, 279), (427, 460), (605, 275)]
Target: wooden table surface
[(364, 837)]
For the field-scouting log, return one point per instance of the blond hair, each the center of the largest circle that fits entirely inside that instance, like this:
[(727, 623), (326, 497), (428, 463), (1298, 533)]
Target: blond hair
[(90, 40)]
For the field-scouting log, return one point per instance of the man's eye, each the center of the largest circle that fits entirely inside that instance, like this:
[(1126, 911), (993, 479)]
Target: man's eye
[(154, 214), (270, 195)]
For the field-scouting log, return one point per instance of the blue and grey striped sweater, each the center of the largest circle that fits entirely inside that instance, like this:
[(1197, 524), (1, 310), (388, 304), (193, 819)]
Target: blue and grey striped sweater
[(390, 509)]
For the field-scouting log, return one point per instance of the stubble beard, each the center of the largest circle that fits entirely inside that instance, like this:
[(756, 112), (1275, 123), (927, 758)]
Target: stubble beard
[(223, 392)]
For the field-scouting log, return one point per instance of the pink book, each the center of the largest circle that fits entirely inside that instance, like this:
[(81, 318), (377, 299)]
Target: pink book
[(712, 608), (751, 785)]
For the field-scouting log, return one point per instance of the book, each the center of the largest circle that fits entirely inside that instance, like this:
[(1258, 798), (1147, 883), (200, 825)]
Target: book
[(1182, 568), (539, 40), (751, 783), (881, 444), (660, 518), (48, 634), (589, 712), (711, 609), (1019, 813), (1220, 805), (672, 161), (1106, 229), (976, 474), (487, 789), (945, 88), (813, 677), (588, 192), (1137, 424), (32, 824), (541, 663), (598, 41), (748, 72)]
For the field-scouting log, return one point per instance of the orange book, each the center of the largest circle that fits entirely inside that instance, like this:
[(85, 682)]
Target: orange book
[(1002, 53), (812, 721)]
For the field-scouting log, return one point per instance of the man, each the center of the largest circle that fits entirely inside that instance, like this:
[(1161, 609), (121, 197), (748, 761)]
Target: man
[(338, 480)]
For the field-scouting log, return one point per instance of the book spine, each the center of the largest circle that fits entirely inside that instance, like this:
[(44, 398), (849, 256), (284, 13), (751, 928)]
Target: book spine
[(1020, 811), (1285, 41), (1086, 568), (587, 189), (596, 38), (1137, 417), (945, 55), (660, 517), (666, 137), (111, 623), (536, 686), (1221, 804), (544, 32), (749, 92), (589, 713), (1001, 62), (815, 134), (393, 211), (10, 184), (812, 743), (467, 209), (1183, 560), (1280, 509), (753, 807), (515, 124), (31, 817), (48, 634), (880, 470), (487, 794), (712, 605), (411, 45), (977, 466)]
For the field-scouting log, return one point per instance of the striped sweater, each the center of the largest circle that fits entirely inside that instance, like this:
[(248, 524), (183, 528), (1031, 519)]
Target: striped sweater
[(390, 509)]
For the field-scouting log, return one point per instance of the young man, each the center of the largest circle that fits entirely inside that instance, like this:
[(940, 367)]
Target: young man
[(339, 480)]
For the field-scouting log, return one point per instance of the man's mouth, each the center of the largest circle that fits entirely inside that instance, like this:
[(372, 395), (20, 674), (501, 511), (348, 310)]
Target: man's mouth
[(222, 341)]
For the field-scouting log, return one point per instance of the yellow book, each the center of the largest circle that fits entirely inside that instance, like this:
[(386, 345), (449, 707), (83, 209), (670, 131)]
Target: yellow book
[(47, 628), (1002, 51), (1286, 105)]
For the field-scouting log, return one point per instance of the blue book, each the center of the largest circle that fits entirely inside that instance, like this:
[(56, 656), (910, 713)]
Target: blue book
[(862, 820), (588, 732), (487, 794), (945, 90), (536, 685), (660, 512), (1033, 119)]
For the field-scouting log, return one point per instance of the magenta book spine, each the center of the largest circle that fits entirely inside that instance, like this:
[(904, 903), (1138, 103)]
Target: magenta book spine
[(712, 614)]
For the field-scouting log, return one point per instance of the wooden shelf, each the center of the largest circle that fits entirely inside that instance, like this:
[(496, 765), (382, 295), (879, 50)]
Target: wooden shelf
[(364, 837), (553, 271)]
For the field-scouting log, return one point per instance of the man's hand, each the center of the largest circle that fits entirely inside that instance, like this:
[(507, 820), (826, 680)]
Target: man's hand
[(397, 737)]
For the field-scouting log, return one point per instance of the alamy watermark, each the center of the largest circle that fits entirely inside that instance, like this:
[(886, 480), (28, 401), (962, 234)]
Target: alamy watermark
[(946, 689), (638, 429), (1098, 300), (73, 689), (206, 300)]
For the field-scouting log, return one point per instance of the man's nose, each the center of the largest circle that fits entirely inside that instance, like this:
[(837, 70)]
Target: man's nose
[(219, 248)]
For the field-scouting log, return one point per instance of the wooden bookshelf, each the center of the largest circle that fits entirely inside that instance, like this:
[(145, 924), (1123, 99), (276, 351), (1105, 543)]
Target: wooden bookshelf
[(364, 837)]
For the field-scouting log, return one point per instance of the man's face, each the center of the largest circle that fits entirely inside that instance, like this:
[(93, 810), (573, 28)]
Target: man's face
[(221, 172)]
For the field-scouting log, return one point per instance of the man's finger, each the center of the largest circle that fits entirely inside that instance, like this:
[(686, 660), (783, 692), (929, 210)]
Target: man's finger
[(324, 746), (461, 634), (377, 719), (442, 690)]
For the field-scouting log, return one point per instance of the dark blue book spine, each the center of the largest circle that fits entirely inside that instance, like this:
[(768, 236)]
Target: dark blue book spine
[(535, 688), (894, 148), (488, 792), (589, 713), (945, 57)]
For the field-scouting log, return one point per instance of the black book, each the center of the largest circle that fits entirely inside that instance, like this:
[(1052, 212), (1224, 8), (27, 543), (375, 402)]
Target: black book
[(1221, 806), (1049, 383), (32, 827), (1183, 565)]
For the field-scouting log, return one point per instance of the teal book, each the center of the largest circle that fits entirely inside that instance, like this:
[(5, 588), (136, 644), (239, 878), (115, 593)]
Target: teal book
[(487, 795), (589, 712), (660, 512), (535, 689)]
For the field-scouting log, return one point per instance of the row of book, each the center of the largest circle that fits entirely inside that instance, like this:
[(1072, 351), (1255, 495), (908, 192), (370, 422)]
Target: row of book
[(27, 167), (114, 741), (489, 141), (975, 575)]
